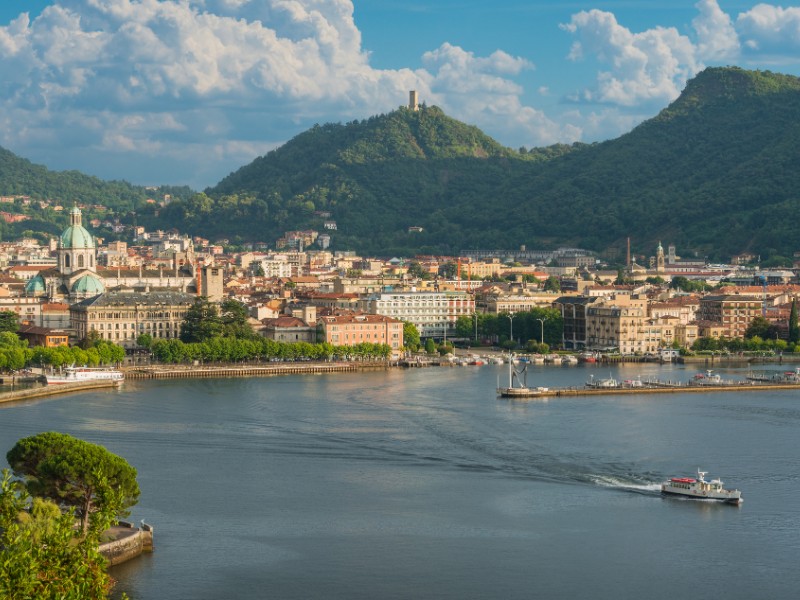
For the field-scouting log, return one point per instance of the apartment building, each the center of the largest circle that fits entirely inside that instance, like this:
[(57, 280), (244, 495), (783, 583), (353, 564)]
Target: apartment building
[(433, 313), (357, 328), (732, 312), (620, 322)]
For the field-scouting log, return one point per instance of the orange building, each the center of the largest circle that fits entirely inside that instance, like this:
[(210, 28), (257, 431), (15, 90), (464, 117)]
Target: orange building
[(356, 328)]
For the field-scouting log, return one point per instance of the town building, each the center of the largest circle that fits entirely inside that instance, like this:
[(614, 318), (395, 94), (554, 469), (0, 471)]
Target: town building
[(731, 313), (573, 313), (121, 317), (349, 329), (433, 313), (620, 323)]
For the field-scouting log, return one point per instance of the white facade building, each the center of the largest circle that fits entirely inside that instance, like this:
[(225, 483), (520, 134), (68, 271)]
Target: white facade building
[(433, 313)]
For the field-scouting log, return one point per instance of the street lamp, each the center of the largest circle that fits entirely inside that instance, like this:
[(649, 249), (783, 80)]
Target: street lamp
[(511, 324), (476, 327), (542, 322)]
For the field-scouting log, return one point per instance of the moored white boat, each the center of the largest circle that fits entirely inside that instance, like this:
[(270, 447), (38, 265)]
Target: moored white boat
[(700, 489), (608, 382), (81, 374)]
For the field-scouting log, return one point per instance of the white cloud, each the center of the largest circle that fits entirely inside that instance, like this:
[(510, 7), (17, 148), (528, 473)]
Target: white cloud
[(766, 27), (139, 76), (651, 66), (187, 88), (477, 91), (716, 36)]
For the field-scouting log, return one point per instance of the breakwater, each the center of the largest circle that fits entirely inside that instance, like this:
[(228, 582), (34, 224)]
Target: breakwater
[(127, 542)]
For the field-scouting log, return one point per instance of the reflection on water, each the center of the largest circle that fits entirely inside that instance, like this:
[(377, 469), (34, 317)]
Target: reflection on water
[(423, 484)]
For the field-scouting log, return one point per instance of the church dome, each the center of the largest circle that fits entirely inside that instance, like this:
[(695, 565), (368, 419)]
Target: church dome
[(89, 285), (36, 285), (76, 236)]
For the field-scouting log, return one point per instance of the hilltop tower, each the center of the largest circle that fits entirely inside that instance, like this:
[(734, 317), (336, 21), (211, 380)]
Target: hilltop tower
[(413, 100)]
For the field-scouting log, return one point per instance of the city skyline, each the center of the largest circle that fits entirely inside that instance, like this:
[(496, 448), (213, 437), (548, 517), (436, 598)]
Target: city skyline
[(184, 92)]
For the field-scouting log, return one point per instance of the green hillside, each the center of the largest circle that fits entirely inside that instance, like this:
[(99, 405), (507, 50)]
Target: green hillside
[(20, 177), (375, 177), (713, 173)]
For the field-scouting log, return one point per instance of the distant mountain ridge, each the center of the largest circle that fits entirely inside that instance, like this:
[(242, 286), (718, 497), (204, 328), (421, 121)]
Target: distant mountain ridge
[(19, 176), (712, 173)]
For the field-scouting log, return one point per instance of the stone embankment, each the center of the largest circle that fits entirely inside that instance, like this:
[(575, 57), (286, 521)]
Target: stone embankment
[(126, 542), (183, 371), (44, 390)]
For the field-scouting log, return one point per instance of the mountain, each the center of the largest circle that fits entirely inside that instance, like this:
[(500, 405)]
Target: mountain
[(714, 174), (20, 177), (375, 178)]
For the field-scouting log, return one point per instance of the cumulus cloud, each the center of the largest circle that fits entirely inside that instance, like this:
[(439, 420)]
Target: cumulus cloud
[(477, 89), (766, 28), (716, 36), (143, 76), (650, 66)]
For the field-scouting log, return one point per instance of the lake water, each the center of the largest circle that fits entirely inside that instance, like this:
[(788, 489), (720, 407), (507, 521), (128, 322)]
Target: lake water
[(423, 484)]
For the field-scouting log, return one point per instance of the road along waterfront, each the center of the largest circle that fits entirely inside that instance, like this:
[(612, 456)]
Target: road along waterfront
[(422, 483)]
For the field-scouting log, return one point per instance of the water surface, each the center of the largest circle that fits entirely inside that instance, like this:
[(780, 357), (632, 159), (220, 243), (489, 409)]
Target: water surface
[(423, 484)]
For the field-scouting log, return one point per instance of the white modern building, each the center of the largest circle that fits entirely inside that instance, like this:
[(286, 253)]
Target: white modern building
[(433, 313)]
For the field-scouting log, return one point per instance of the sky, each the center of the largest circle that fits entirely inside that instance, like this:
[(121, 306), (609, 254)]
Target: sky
[(184, 92)]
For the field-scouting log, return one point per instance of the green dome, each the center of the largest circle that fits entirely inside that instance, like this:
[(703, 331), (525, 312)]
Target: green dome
[(75, 236), (88, 284), (36, 285)]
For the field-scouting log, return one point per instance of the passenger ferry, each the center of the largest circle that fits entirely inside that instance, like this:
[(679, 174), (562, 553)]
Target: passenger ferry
[(80, 374), (701, 489)]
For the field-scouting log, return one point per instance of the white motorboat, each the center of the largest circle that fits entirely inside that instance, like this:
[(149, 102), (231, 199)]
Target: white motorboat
[(81, 374), (701, 489)]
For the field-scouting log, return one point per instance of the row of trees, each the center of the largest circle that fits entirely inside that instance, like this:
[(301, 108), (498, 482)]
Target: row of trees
[(227, 349), (514, 329), (15, 354)]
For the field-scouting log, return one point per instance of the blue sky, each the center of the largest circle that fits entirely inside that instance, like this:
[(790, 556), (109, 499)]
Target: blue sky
[(186, 91)]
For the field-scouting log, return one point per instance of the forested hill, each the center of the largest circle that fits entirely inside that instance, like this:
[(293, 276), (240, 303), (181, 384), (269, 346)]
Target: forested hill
[(375, 178), (714, 173), (19, 176)]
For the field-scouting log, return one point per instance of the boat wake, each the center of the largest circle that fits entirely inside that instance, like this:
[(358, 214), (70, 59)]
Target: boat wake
[(628, 485)]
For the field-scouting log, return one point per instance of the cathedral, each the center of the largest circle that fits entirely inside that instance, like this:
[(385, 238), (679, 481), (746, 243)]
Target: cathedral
[(76, 276), (118, 305)]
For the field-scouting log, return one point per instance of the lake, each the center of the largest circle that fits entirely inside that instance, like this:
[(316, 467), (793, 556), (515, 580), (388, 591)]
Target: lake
[(423, 484)]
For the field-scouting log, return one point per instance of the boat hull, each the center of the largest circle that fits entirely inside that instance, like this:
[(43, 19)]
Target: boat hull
[(520, 392), (737, 499), (82, 375)]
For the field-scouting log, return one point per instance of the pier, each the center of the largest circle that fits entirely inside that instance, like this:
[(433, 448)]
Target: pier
[(654, 388)]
